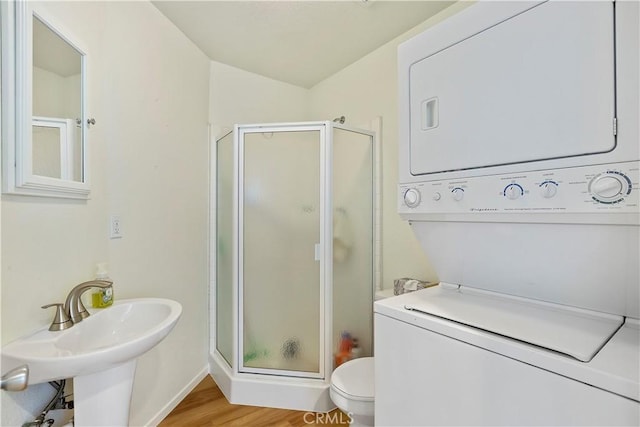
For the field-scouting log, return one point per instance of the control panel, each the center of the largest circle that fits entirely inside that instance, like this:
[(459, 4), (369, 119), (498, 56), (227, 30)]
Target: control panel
[(612, 188)]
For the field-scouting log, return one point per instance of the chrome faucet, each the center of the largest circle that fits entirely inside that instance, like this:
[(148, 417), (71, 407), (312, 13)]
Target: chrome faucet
[(73, 306)]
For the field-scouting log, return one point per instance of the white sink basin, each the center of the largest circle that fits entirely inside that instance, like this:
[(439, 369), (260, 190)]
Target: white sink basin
[(106, 339)]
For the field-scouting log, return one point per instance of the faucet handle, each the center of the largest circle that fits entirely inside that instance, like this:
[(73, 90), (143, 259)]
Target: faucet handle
[(16, 379), (82, 310), (61, 321)]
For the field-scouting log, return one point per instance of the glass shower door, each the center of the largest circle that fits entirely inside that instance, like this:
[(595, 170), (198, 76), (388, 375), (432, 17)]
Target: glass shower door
[(353, 239), (280, 231)]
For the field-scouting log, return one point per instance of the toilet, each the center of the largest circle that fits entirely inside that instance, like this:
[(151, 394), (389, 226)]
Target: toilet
[(352, 384), (352, 390)]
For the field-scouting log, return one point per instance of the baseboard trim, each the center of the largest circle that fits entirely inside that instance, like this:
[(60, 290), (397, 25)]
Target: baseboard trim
[(170, 406)]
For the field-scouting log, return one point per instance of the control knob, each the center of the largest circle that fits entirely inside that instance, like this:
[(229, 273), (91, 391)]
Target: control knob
[(610, 187), (513, 191), (457, 194), (548, 189), (412, 197)]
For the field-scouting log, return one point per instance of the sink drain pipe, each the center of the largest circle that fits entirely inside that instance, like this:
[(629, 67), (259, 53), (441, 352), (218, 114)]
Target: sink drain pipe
[(58, 402)]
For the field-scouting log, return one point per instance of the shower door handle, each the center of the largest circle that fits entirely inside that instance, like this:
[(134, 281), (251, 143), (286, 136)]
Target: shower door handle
[(316, 250)]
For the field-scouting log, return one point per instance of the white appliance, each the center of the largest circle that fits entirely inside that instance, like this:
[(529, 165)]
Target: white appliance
[(519, 175)]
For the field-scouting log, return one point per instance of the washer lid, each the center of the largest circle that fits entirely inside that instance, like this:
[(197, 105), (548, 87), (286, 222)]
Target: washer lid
[(572, 331), (354, 379)]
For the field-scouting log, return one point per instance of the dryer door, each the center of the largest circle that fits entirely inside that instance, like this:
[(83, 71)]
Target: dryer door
[(539, 85)]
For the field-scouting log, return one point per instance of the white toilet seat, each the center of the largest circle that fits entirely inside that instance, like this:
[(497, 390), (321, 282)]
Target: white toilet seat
[(354, 379), (352, 390)]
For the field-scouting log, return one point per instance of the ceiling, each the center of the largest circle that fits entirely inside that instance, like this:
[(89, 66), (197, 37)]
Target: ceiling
[(298, 42)]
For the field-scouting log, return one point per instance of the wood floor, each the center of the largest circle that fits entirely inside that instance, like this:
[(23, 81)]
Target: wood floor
[(207, 406)]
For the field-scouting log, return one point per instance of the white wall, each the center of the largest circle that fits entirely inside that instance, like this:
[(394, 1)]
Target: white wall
[(362, 91), (149, 164), (51, 94), (241, 97)]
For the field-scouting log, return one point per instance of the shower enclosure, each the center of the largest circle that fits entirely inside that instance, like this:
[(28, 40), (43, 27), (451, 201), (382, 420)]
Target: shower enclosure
[(294, 256)]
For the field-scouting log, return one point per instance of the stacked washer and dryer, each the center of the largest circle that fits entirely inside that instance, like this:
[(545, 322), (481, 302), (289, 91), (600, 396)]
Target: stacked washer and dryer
[(519, 175)]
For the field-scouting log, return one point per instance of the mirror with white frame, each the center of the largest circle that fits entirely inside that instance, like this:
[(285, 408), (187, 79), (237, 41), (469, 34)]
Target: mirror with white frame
[(44, 122)]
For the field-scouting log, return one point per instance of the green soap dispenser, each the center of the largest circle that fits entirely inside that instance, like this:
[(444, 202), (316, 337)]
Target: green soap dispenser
[(102, 298)]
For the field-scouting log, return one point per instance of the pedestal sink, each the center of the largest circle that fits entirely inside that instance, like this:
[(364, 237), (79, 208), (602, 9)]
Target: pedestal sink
[(100, 355)]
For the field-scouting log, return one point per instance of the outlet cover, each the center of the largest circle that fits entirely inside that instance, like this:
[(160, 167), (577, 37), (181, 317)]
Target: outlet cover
[(115, 228)]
